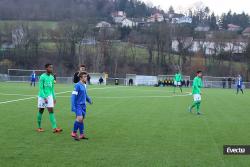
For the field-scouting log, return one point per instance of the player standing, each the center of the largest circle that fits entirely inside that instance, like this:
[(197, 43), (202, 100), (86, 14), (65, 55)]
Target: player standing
[(239, 84), (76, 78), (197, 84), (46, 98), (177, 81), (33, 79), (78, 105)]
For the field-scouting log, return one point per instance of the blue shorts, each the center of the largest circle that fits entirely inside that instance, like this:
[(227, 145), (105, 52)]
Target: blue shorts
[(33, 80), (81, 110), (239, 86)]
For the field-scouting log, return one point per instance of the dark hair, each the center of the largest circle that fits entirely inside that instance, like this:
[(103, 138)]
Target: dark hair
[(82, 73), (82, 66), (198, 72), (47, 65)]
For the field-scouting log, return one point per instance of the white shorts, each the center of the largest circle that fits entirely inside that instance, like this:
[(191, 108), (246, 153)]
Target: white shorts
[(42, 104), (177, 83), (197, 97)]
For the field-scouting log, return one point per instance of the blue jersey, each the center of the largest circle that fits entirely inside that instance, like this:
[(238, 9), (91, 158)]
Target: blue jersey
[(79, 97), (239, 81), (33, 76)]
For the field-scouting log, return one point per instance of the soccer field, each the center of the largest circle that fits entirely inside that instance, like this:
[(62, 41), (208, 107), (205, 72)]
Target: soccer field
[(126, 126)]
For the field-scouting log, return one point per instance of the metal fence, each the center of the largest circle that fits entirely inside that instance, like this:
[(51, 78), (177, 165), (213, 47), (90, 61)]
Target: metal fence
[(124, 81)]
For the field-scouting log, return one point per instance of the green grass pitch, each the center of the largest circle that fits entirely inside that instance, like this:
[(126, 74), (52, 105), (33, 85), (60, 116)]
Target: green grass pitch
[(127, 126)]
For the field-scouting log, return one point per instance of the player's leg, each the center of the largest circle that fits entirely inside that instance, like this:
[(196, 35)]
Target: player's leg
[(52, 118), (180, 87), (39, 119), (192, 106), (81, 128), (41, 106), (198, 107), (237, 89), (175, 84), (241, 90)]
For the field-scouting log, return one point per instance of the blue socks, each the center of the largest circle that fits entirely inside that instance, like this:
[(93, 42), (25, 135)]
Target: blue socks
[(80, 126)]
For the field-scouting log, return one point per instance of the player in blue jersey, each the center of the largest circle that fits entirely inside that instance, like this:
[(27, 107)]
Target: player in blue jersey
[(33, 79), (78, 105), (239, 84)]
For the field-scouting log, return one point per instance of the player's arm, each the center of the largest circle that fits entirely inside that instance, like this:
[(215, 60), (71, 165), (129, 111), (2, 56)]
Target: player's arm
[(74, 98), (88, 99), (53, 92), (75, 79)]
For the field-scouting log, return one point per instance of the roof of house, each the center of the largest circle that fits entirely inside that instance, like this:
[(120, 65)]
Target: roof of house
[(247, 30)]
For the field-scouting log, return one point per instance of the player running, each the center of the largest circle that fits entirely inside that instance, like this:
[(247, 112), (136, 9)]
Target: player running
[(177, 81), (78, 105), (239, 84), (197, 84), (46, 98)]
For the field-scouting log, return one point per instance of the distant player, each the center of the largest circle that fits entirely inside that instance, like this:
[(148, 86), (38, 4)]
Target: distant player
[(197, 85), (76, 78), (177, 81), (33, 79), (46, 98), (239, 84), (78, 105)]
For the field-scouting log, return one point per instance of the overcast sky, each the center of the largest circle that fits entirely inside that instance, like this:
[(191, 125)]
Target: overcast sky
[(218, 6)]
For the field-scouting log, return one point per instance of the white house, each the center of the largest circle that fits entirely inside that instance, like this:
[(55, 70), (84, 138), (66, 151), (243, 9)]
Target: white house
[(202, 28), (118, 16), (103, 24), (181, 20), (246, 32), (157, 17), (232, 27), (128, 23)]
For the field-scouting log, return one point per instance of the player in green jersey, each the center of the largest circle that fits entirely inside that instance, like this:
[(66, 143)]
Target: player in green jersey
[(177, 81), (46, 98), (196, 91)]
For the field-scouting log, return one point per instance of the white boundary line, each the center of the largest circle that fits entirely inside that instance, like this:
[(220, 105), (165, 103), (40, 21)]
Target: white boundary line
[(128, 97), (33, 97)]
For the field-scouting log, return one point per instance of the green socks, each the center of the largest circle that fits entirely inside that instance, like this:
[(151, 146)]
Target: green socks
[(39, 119), (52, 120), (197, 105)]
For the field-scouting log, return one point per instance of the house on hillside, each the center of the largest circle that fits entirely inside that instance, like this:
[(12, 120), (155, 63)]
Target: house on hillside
[(233, 27), (246, 32), (182, 20), (118, 16), (157, 17), (202, 28), (128, 23), (103, 24)]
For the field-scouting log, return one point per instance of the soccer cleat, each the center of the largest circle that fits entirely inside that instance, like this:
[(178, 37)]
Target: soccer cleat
[(57, 130), (82, 136), (198, 113), (40, 130), (75, 136)]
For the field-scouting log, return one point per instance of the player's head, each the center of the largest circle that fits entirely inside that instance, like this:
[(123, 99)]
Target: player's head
[(199, 73), (49, 68), (83, 76), (82, 68)]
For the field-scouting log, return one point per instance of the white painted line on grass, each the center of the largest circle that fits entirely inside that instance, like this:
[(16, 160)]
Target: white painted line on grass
[(128, 97), (33, 96)]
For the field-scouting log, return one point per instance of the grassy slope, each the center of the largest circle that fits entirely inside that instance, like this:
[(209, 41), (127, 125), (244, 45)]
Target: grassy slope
[(127, 130)]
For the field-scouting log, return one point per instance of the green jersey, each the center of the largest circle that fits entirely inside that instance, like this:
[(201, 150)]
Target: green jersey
[(197, 84), (178, 77), (46, 86)]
